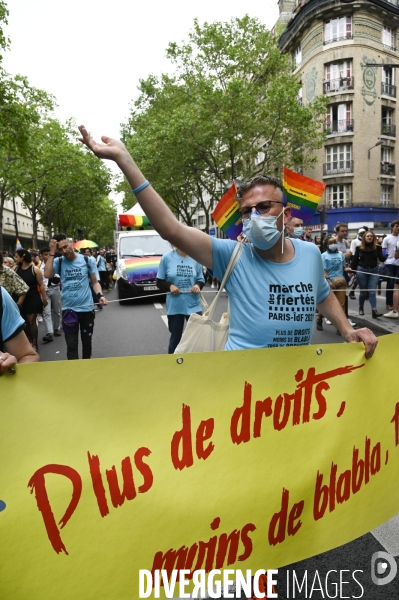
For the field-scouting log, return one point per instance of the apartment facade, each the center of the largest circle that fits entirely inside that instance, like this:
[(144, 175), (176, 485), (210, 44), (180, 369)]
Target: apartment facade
[(24, 226), (336, 47)]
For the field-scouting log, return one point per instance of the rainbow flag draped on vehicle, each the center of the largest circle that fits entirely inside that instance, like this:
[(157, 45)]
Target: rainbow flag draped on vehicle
[(302, 194)]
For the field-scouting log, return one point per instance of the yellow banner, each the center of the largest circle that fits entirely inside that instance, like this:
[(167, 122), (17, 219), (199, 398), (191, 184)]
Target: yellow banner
[(247, 460)]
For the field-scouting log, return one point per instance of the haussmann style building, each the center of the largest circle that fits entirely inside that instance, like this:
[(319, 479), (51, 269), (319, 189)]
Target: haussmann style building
[(336, 48)]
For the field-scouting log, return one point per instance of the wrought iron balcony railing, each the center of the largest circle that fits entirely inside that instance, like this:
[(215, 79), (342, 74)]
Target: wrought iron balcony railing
[(338, 166), (387, 168), (347, 36), (388, 90), (388, 129), (341, 126), (342, 84)]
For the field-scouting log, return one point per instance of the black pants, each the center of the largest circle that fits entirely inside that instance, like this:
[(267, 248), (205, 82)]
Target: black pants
[(86, 325), (104, 279), (392, 271), (176, 326)]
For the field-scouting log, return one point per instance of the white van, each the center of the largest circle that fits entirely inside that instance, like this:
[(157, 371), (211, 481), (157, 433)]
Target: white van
[(138, 256)]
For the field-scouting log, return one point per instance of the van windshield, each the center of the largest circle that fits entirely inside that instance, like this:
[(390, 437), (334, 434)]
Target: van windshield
[(143, 245)]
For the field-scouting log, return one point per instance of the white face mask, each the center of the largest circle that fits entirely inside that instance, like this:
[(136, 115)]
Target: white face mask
[(261, 231), (298, 232), (333, 247)]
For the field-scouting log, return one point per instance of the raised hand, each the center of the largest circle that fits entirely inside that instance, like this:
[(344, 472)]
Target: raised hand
[(109, 149)]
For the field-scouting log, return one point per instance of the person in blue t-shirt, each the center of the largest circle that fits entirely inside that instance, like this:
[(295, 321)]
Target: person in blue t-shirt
[(14, 345), (183, 278), (76, 273), (256, 320), (334, 266), (102, 269)]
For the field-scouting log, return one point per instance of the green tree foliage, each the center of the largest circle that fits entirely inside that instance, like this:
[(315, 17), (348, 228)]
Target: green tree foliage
[(229, 111), (62, 184)]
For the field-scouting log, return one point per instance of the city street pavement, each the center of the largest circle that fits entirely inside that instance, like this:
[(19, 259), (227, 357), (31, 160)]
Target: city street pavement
[(139, 327)]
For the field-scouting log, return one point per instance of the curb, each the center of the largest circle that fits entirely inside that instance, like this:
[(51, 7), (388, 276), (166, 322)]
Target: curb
[(373, 324)]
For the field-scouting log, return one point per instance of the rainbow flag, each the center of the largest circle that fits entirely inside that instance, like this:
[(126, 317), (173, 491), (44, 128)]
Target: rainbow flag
[(18, 245), (227, 215), (133, 221), (141, 269), (302, 194)]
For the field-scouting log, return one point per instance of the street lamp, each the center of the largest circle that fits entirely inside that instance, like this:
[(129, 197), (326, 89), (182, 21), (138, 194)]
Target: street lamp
[(377, 144)]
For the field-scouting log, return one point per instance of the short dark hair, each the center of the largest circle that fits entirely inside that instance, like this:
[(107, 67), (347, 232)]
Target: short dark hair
[(46, 249), (396, 222), (59, 237), (248, 184), (338, 225)]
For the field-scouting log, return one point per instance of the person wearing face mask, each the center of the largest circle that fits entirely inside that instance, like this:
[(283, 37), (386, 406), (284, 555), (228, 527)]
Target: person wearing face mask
[(334, 264), (277, 282), (365, 263), (295, 228)]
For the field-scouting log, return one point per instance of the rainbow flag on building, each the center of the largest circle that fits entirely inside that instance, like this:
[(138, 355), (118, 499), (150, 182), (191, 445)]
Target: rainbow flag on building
[(133, 221), (18, 245), (227, 215), (302, 194)]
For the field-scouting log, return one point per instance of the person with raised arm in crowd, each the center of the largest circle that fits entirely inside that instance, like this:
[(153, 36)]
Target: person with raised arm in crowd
[(76, 272), (276, 284)]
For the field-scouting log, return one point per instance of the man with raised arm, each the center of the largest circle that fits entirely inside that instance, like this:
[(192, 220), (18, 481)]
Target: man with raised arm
[(277, 283)]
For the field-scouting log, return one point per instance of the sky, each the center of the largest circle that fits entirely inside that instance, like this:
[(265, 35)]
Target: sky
[(91, 54)]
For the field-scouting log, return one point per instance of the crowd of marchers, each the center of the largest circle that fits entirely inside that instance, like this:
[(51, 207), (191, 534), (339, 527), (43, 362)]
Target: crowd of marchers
[(278, 253)]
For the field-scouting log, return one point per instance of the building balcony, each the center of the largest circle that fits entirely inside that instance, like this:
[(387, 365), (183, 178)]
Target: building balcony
[(387, 169), (388, 129), (388, 90), (341, 126), (338, 167), (343, 38), (342, 84)]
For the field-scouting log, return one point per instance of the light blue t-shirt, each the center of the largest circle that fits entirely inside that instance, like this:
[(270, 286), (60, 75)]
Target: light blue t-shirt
[(271, 304), (101, 263), (76, 292), (333, 263), (183, 272), (11, 321)]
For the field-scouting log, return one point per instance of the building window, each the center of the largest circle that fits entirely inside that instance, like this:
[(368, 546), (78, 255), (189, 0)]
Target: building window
[(338, 159), (194, 222), (338, 77), (386, 195), (339, 195), (387, 126), (388, 37), (387, 164), (387, 82), (339, 118), (201, 220), (338, 29), (297, 56), (299, 96)]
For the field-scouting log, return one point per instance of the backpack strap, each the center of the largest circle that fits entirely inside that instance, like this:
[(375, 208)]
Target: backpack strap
[(1, 316)]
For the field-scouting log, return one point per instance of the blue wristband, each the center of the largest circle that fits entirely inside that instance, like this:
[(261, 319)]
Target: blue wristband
[(141, 187)]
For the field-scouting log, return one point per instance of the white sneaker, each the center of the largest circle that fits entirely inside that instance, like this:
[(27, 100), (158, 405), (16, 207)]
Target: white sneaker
[(213, 286), (40, 318), (327, 322), (392, 314), (352, 323)]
